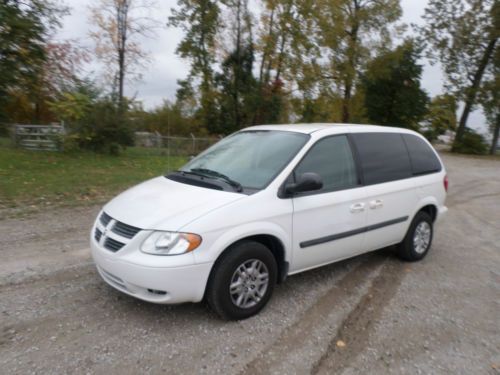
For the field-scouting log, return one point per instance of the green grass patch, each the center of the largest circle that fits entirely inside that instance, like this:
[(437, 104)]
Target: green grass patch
[(31, 179), (5, 142)]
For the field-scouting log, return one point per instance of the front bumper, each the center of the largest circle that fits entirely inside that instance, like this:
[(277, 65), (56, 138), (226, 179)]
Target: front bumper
[(165, 285)]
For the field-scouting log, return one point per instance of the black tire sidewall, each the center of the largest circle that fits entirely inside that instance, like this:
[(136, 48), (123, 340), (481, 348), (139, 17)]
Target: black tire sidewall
[(408, 247), (218, 294)]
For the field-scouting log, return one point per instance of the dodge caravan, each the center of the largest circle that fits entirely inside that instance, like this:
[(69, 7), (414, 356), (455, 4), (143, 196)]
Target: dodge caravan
[(265, 203)]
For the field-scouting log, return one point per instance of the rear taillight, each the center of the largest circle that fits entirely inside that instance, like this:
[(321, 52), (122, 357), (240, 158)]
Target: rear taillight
[(445, 182)]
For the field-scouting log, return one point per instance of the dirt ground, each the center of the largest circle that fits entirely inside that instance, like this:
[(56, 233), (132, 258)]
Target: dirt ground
[(439, 316)]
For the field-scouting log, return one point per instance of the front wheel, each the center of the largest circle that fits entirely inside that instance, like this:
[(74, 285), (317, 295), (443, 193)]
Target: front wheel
[(418, 239), (242, 281)]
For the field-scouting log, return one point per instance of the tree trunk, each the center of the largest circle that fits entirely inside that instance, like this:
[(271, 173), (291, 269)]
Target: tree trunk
[(121, 76), (496, 133), (472, 92), (236, 94), (265, 53), (122, 29), (352, 62), (346, 114)]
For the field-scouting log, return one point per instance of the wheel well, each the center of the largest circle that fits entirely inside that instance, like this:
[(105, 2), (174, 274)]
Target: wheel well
[(431, 210), (275, 246)]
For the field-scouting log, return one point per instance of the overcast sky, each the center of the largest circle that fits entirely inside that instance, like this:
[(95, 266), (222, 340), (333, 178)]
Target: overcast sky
[(165, 68)]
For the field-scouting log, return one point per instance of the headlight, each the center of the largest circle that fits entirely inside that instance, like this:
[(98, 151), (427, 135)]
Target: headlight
[(170, 243)]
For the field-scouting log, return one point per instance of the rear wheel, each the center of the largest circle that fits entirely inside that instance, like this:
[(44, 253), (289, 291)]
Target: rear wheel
[(242, 281), (418, 239)]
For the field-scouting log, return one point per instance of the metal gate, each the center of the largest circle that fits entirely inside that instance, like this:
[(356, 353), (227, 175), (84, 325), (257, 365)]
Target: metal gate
[(39, 137)]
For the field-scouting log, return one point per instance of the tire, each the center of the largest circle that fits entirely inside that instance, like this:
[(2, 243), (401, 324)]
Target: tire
[(244, 265), (414, 248)]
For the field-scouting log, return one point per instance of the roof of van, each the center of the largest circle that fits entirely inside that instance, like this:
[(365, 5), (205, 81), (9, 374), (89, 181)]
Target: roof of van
[(329, 128)]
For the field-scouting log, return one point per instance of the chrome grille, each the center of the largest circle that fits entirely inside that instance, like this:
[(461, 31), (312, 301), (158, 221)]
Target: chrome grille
[(97, 235), (105, 219), (124, 230), (113, 234), (113, 245)]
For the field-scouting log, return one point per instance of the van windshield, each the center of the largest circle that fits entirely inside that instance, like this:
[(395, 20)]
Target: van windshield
[(251, 159)]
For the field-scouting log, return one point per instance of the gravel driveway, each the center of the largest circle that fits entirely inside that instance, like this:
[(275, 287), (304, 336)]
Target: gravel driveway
[(371, 314)]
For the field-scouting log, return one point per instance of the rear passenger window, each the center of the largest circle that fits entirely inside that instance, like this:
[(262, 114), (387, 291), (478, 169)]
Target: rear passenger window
[(332, 159), (383, 157), (422, 157)]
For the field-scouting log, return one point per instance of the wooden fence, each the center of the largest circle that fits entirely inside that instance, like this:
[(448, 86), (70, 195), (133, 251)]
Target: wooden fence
[(39, 137)]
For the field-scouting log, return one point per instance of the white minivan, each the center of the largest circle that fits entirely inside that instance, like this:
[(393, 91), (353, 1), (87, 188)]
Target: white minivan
[(265, 203)]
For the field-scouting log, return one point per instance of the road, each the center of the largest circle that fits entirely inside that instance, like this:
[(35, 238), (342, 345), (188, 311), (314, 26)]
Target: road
[(371, 314)]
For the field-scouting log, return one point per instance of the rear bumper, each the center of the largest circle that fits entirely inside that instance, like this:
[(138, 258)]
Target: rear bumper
[(165, 285), (441, 213)]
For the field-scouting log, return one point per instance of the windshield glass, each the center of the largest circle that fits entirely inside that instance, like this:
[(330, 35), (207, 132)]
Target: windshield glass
[(251, 158)]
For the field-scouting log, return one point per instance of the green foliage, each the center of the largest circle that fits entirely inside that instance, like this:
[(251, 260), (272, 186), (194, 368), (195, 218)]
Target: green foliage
[(71, 106), (237, 91), (441, 116), (94, 122), (281, 35), (104, 128), (462, 36), (391, 86), (199, 19), (472, 143), (348, 33), (24, 31), (166, 119), (22, 35), (457, 33), (270, 103)]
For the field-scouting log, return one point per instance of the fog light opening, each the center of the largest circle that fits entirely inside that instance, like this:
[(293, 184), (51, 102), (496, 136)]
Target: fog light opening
[(157, 292)]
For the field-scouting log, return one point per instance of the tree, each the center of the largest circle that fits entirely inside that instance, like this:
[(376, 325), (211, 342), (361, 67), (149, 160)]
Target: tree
[(441, 116), (199, 19), (237, 90), (25, 29), (167, 119), (276, 28), (236, 81), (119, 26), (58, 73), (462, 36), (73, 105), (489, 98), (391, 87), (348, 32)]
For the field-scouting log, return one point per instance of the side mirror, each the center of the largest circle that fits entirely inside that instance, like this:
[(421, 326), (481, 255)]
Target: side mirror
[(308, 181)]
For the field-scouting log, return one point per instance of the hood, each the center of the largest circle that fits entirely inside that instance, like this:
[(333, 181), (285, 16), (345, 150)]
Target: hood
[(163, 204)]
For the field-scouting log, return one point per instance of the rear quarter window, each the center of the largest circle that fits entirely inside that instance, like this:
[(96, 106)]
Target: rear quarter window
[(383, 157), (422, 157)]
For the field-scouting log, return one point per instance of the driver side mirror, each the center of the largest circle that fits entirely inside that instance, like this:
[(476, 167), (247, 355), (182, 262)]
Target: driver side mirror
[(308, 181)]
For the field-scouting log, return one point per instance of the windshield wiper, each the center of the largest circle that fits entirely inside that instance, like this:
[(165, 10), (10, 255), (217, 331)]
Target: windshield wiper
[(211, 173)]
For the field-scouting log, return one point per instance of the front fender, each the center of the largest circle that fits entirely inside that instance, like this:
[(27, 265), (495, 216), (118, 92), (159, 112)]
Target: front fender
[(221, 240)]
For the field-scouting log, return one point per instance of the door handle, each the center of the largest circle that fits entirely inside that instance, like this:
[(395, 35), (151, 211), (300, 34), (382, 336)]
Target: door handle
[(357, 207), (376, 204)]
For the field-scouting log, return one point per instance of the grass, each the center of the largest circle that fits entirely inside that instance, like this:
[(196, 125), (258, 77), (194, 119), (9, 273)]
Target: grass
[(30, 179)]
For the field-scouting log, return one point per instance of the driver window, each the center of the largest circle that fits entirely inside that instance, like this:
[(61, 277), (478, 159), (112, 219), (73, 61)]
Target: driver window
[(332, 159)]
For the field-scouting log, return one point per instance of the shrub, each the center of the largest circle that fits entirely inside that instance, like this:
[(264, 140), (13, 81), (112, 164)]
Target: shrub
[(472, 143), (103, 129)]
